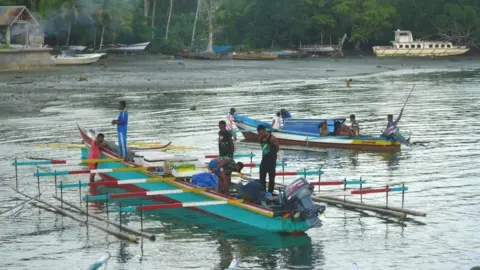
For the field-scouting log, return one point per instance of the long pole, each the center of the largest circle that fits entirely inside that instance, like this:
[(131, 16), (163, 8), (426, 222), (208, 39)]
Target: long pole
[(120, 235), (124, 228), (408, 97)]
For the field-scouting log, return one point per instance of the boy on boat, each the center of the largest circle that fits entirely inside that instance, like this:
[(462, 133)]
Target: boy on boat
[(95, 153), (354, 125), (223, 168), (231, 126), (226, 148), (270, 148), (392, 130), (122, 124)]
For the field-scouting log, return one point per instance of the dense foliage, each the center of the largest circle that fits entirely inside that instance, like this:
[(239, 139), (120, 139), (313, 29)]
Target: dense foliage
[(252, 23)]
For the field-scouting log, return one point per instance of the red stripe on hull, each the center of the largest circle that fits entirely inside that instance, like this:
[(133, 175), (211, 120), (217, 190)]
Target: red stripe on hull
[(327, 183), (58, 162), (249, 136), (367, 191), (159, 206), (128, 195), (79, 172)]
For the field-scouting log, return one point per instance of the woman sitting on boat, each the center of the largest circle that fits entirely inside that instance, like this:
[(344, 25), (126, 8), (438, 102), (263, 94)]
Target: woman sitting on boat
[(323, 129), (223, 168)]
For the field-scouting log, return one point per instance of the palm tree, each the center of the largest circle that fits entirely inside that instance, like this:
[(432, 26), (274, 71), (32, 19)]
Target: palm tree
[(169, 16), (211, 7), (195, 22), (120, 13)]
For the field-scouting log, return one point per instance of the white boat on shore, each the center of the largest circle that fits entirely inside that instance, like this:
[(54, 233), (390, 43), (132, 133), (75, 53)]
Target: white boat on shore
[(79, 59), (405, 45), (126, 48)]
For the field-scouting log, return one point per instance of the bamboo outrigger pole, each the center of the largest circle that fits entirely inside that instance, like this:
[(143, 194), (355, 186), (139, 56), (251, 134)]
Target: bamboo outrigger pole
[(120, 235), (151, 237)]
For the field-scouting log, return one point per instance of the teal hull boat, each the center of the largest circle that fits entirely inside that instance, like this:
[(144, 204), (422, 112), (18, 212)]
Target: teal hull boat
[(230, 208)]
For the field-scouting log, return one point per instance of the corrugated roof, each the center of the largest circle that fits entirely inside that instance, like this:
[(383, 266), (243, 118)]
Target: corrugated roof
[(10, 14)]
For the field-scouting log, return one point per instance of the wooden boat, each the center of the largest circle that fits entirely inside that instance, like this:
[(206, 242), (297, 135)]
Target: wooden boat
[(139, 47), (304, 132), (253, 56), (181, 194), (79, 59)]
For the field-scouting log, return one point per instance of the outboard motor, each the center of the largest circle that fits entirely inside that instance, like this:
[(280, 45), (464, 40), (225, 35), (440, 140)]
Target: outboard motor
[(298, 198)]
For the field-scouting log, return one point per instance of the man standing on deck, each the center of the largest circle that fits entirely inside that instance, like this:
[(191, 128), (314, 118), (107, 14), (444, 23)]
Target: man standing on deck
[(226, 148), (122, 124), (95, 153), (392, 130), (270, 148)]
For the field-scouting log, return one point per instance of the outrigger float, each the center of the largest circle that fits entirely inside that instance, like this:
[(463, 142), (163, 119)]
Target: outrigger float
[(292, 211), (304, 132)]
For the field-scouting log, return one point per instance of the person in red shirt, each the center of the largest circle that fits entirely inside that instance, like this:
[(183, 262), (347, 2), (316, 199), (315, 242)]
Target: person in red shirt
[(95, 153)]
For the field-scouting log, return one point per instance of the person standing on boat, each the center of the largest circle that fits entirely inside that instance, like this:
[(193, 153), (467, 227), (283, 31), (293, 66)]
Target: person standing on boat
[(392, 130), (270, 148), (277, 121), (226, 147), (122, 124), (354, 125), (231, 126), (95, 153), (223, 168)]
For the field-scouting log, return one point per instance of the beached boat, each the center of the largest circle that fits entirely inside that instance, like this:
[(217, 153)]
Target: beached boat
[(405, 45), (253, 56), (78, 59), (295, 215), (139, 47), (304, 132)]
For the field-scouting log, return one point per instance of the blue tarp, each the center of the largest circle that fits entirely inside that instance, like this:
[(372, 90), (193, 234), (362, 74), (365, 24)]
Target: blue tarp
[(222, 49), (206, 180)]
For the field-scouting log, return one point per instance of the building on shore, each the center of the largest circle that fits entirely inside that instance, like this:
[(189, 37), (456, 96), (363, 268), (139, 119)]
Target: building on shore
[(19, 28)]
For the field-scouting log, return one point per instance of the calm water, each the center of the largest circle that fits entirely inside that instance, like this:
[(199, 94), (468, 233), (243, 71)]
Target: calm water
[(442, 171)]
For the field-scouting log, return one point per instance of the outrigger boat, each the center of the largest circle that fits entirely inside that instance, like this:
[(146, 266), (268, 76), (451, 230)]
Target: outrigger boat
[(304, 132), (295, 215)]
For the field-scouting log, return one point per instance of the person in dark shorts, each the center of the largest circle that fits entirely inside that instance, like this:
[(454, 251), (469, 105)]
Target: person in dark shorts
[(226, 148), (270, 148)]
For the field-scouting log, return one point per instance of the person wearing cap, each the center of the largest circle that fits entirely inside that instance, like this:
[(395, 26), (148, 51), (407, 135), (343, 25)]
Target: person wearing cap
[(231, 126), (270, 148)]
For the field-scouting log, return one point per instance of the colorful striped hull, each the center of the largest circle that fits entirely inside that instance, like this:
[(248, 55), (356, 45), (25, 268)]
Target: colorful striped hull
[(311, 140), (241, 212)]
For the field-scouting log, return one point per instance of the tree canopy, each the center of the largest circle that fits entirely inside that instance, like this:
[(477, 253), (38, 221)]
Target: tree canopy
[(255, 24)]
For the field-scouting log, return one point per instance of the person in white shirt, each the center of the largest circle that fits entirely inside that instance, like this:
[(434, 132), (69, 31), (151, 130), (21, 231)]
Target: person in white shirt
[(231, 126), (276, 122)]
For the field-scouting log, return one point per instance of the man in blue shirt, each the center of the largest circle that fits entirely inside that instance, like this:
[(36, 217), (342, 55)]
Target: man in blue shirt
[(122, 123)]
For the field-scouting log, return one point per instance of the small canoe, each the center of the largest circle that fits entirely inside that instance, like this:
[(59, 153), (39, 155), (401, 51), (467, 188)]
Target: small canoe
[(79, 59), (272, 219), (304, 132), (247, 56)]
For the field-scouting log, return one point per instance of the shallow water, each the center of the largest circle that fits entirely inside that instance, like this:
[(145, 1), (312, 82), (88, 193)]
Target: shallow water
[(441, 171)]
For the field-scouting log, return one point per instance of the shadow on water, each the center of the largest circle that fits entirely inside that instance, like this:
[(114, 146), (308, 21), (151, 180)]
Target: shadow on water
[(234, 239)]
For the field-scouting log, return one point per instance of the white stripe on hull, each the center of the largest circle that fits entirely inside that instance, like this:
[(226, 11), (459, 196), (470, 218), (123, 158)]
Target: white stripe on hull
[(300, 138)]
